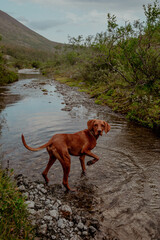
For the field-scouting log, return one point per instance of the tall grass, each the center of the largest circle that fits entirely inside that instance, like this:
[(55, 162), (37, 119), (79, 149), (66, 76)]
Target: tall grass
[(14, 223)]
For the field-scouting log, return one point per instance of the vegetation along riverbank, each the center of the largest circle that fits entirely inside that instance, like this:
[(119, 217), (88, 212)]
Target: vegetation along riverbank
[(6, 74), (14, 222), (120, 67)]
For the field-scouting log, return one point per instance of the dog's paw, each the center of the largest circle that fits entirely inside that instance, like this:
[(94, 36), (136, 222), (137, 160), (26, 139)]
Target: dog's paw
[(83, 174), (89, 162)]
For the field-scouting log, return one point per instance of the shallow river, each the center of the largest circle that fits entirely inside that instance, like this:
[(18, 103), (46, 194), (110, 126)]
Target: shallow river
[(122, 189)]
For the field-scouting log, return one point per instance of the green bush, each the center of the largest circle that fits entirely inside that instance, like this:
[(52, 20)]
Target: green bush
[(36, 64)]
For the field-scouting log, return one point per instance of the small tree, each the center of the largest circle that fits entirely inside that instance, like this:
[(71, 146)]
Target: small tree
[(131, 48)]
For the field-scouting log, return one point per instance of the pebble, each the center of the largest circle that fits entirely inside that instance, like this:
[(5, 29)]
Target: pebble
[(43, 229), (22, 188), (66, 209), (47, 218), (80, 226), (54, 218), (30, 204), (62, 223), (92, 230), (54, 213)]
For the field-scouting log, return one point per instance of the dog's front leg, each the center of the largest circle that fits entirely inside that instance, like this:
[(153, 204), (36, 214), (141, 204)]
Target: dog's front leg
[(82, 160), (90, 154)]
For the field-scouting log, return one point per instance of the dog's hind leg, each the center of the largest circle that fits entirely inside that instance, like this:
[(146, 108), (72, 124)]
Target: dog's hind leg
[(52, 159)]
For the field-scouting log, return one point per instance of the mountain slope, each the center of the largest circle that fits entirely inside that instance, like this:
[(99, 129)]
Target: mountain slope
[(16, 34)]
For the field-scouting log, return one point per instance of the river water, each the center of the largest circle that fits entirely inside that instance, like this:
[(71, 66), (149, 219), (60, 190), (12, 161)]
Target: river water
[(122, 189)]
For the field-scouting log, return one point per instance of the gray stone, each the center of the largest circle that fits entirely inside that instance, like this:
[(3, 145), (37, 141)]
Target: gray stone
[(71, 224), (42, 199), (50, 206), (59, 202), (85, 228), (47, 202), (32, 198), (32, 211), (47, 218), (66, 209), (21, 188), (84, 233), (43, 229), (54, 213), (62, 223), (30, 204), (39, 186), (55, 206), (43, 190), (53, 237), (76, 237), (80, 226)]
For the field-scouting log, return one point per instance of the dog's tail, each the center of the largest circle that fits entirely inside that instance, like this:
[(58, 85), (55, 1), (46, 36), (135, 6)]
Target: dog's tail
[(35, 149)]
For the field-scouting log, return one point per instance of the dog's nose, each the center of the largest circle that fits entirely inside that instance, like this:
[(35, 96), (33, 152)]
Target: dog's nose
[(99, 131)]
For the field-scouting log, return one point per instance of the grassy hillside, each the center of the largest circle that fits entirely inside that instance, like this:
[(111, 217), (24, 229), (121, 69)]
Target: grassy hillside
[(22, 44), (16, 34)]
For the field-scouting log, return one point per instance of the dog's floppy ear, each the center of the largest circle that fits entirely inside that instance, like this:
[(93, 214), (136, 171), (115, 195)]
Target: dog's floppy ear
[(90, 124), (107, 127)]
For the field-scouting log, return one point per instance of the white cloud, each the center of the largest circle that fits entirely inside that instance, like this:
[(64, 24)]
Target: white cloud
[(45, 24), (74, 18), (23, 20), (77, 17)]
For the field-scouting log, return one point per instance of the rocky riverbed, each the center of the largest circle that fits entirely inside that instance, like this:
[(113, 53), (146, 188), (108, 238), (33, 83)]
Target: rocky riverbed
[(54, 217)]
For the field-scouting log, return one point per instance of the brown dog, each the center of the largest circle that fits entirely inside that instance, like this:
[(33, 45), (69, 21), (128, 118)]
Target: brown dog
[(61, 146)]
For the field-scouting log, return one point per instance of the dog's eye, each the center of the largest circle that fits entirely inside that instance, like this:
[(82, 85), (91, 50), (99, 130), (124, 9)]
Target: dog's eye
[(103, 126), (96, 125)]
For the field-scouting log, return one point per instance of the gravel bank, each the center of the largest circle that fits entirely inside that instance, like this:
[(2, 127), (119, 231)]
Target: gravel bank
[(53, 217)]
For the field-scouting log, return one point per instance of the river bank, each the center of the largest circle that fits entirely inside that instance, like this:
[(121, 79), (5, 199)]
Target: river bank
[(142, 110)]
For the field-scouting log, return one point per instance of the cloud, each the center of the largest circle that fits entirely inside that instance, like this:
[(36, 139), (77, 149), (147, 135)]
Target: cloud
[(76, 17), (134, 3), (45, 24), (91, 16), (22, 20)]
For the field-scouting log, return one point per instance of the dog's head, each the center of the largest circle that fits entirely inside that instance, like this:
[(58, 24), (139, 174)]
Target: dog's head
[(98, 126)]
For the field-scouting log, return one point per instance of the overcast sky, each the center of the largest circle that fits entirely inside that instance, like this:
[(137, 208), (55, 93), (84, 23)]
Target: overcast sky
[(56, 19)]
